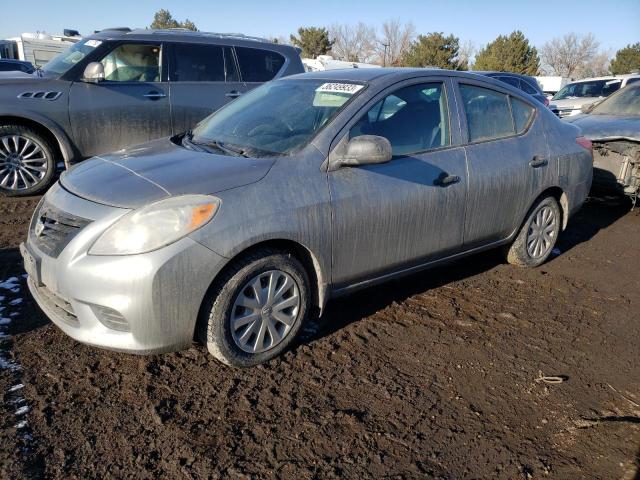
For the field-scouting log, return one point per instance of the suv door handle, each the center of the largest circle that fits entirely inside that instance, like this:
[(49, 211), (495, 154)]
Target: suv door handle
[(154, 95), (233, 94), (447, 180), (538, 162)]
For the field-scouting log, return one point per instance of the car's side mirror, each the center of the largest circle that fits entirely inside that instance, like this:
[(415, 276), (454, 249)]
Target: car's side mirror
[(93, 73), (589, 107), (362, 150)]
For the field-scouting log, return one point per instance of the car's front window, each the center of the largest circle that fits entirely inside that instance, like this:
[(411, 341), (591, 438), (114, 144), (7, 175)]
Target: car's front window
[(595, 88), (276, 118), (62, 62), (627, 102)]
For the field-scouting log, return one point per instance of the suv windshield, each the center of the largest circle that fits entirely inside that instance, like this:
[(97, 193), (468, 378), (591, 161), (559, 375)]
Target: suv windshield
[(627, 102), (274, 119), (594, 88), (67, 59)]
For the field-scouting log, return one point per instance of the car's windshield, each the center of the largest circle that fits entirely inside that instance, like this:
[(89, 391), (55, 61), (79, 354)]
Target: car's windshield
[(592, 88), (626, 102), (67, 59), (276, 118)]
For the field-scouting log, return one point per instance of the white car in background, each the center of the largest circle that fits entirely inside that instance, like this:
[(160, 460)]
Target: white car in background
[(572, 97)]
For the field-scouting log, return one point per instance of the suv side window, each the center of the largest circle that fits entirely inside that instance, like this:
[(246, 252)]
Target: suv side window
[(528, 88), (132, 63), (258, 65), (487, 113), (511, 81), (414, 119), (202, 63)]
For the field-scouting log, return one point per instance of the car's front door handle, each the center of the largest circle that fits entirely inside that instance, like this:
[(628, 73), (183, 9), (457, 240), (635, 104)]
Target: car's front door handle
[(448, 180), (538, 162), (233, 94), (154, 95)]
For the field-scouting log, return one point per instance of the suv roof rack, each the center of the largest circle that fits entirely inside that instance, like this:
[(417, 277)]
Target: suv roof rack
[(184, 31), (115, 29)]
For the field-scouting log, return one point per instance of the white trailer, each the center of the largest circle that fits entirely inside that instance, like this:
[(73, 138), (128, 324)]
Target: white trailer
[(327, 62), (37, 48), (552, 85)]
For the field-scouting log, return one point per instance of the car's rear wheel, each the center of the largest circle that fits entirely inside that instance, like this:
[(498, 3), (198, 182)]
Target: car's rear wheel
[(538, 234), (256, 308), (27, 161)]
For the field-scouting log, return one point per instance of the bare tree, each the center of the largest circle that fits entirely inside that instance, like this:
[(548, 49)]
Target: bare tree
[(466, 53), (596, 66), (565, 56), (394, 42), (353, 43)]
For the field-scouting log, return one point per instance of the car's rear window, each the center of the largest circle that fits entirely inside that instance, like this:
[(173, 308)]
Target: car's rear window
[(258, 65)]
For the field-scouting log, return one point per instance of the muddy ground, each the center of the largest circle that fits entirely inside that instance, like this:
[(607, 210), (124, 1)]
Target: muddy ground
[(437, 375)]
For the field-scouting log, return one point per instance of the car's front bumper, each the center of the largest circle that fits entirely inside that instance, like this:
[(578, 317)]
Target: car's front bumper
[(137, 303)]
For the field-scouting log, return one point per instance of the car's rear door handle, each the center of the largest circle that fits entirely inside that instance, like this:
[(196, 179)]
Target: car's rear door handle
[(154, 95), (538, 162), (447, 180), (233, 94)]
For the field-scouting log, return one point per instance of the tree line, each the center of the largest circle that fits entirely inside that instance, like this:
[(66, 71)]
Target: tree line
[(397, 43)]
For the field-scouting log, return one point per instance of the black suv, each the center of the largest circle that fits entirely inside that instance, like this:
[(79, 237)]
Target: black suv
[(121, 87), (523, 82)]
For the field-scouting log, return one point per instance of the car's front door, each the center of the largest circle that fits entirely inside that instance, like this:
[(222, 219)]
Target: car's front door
[(202, 78), (131, 105), (389, 216), (508, 160)]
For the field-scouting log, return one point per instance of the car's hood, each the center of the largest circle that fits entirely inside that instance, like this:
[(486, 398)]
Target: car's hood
[(145, 173), (575, 102), (608, 127)]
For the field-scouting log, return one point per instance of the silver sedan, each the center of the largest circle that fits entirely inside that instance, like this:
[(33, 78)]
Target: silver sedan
[(304, 189)]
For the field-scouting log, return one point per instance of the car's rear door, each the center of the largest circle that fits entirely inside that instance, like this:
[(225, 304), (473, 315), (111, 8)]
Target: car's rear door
[(508, 160), (391, 216), (202, 78), (130, 106)]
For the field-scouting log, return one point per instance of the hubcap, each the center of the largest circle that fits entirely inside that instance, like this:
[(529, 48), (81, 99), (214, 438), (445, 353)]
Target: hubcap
[(542, 231), (264, 311), (23, 162)]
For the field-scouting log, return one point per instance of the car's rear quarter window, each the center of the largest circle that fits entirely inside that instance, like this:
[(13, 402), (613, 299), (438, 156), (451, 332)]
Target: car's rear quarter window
[(258, 65)]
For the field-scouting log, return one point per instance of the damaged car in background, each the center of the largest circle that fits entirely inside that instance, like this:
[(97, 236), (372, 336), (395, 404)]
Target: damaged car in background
[(614, 128)]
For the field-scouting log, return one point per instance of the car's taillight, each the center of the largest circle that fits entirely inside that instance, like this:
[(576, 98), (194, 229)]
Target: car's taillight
[(585, 143)]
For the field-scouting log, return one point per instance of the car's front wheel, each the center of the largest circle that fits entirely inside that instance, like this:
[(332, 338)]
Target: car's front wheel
[(538, 234), (27, 161), (256, 308)]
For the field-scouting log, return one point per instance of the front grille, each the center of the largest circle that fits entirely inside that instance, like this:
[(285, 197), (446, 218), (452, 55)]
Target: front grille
[(53, 229), (55, 304)]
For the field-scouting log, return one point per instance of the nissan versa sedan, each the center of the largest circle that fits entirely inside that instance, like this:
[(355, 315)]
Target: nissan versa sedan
[(305, 188)]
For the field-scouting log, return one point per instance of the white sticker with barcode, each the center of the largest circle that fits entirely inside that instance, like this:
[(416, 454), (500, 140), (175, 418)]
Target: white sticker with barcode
[(93, 43), (349, 88)]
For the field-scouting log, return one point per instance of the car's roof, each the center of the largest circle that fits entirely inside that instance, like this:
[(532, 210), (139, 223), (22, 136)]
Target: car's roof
[(184, 35), (374, 74), (495, 72)]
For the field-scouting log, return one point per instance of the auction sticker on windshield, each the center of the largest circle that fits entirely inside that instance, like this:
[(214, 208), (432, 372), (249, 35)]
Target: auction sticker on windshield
[(335, 94)]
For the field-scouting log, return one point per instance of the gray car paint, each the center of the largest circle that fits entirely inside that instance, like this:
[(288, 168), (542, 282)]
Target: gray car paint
[(358, 225)]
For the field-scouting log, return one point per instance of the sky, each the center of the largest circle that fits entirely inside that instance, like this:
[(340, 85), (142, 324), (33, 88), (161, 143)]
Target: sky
[(614, 24)]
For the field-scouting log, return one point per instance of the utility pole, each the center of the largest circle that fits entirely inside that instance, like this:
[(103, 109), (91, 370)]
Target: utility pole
[(384, 55)]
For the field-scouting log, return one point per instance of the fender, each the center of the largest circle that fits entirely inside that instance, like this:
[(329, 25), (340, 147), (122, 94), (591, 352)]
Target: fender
[(64, 143)]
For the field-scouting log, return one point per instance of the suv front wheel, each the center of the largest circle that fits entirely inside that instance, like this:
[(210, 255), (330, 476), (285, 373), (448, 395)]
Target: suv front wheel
[(27, 161)]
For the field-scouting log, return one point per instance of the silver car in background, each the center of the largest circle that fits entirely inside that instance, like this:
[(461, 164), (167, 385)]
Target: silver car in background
[(304, 189)]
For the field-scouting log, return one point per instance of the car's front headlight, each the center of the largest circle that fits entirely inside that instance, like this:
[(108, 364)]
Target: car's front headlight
[(156, 225)]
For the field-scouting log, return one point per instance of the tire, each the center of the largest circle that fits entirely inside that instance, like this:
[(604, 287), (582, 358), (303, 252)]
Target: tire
[(28, 166), (222, 326), (531, 247)]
